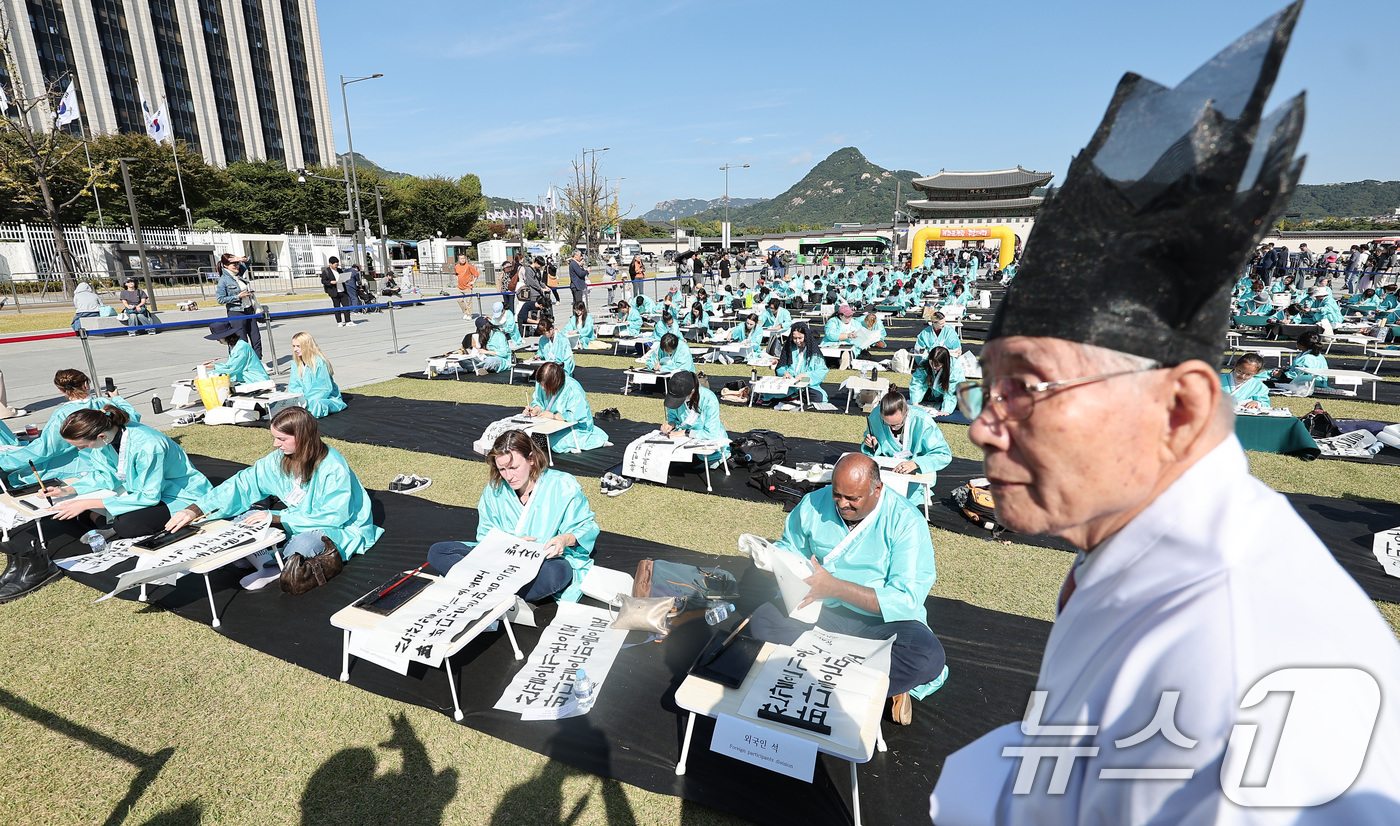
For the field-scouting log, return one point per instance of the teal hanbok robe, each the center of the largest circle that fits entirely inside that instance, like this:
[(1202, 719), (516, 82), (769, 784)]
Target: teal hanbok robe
[(556, 348), (333, 500), (929, 339), (242, 365), (703, 423), (815, 368), (586, 336), (837, 327), (1253, 390), (318, 386), (148, 469), (892, 554), (511, 327), (924, 389), (634, 322), (782, 318), (680, 360), (921, 442), (50, 452), (571, 403), (499, 346), (558, 506)]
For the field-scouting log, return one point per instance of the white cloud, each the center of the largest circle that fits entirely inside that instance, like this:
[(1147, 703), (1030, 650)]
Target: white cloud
[(801, 157), (745, 139)]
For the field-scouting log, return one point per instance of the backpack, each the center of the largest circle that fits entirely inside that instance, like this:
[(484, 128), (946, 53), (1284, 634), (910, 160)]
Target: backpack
[(783, 488), (695, 590), (512, 276), (975, 503), (1320, 424), (759, 449)]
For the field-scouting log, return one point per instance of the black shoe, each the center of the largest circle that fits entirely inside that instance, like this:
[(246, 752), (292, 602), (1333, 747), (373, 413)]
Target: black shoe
[(33, 570), (11, 568)]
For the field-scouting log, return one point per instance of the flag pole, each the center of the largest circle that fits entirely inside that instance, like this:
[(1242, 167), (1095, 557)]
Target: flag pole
[(179, 178), (82, 128)]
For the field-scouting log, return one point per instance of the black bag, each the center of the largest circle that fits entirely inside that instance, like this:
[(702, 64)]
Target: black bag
[(1320, 424), (759, 449), (783, 488)]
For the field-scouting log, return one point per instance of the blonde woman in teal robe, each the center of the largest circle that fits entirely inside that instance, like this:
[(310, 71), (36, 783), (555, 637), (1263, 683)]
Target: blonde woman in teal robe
[(526, 499), (50, 453), (242, 365), (313, 377), (553, 346), (581, 324), (559, 396), (322, 497), (150, 474), (897, 430)]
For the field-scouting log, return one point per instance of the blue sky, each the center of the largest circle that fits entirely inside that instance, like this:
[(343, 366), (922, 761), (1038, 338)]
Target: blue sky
[(513, 91)]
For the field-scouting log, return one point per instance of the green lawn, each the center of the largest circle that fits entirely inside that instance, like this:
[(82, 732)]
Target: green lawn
[(121, 701)]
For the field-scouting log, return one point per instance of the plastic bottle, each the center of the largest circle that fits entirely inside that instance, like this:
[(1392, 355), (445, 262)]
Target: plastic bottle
[(719, 613), (753, 375), (95, 541), (584, 688)]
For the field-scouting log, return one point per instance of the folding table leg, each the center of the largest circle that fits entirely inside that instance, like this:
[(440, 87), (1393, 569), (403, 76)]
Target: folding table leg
[(39, 525), (452, 684), (685, 744), (706, 463), (213, 611), (142, 596), (345, 656), (880, 739), (510, 635), (855, 797)]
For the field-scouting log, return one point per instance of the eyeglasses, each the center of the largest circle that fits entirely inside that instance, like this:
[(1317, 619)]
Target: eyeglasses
[(1013, 400)]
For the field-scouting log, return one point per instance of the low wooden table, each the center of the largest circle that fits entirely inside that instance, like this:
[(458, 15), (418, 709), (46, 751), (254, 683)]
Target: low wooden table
[(350, 618), (699, 696)]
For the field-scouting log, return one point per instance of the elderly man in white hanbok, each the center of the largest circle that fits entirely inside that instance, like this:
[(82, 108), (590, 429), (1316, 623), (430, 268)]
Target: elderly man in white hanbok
[(1210, 663)]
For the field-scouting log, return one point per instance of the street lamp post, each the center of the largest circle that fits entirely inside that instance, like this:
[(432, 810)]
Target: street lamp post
[(354, 176), (588, 203), (724, 240), (383, 231)]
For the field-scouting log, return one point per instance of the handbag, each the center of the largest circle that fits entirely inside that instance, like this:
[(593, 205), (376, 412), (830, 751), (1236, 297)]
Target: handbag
[(121, 316), (643, 613), (300, 574)]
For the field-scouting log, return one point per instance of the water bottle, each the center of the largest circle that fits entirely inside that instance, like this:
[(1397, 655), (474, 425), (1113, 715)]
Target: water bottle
[(753, 375), (95, 541), (719, 613), (584, 688)]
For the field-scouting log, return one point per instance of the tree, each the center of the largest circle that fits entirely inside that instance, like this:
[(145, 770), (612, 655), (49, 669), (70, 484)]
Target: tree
[(438, 204), (585, 210), (154, 183), (29, 157)]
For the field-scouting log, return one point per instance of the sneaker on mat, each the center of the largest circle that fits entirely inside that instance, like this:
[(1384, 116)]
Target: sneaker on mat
[(397, 485), (622, 485), (415, 483)]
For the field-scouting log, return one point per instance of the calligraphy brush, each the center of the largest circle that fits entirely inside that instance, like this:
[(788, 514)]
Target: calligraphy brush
[(40, 480), (733, 634), (406, 577)]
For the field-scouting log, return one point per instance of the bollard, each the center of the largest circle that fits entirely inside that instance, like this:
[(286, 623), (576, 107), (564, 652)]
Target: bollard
[(393, 329), (271, 344), (92, 366)]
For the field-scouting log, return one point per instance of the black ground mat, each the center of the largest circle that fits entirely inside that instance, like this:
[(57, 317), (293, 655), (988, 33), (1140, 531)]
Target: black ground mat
[(634, 732)]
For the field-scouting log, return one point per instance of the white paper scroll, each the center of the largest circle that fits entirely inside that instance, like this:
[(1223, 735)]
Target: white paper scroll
[(426, 629), (773, 385), (649, 458), (865, 337), (815, 686), (580, 636), (494, 430), (94, 563), (1386, 547), (643, 376), (170, 563)]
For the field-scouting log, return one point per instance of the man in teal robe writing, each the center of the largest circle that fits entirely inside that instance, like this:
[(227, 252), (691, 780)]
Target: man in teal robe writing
[(873, 567)]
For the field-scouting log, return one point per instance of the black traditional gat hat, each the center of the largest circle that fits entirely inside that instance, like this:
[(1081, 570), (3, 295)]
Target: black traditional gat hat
[(1139, 249)]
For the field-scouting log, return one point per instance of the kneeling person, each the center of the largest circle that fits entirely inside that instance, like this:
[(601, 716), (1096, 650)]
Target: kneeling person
[(896, 430), (325, 503), (873, 561)]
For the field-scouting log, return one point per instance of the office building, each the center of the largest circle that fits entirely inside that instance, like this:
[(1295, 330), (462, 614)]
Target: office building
[(240, 79)]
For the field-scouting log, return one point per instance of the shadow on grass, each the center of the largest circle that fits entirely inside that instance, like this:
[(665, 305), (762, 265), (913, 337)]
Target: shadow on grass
[(539, 801), (147, 765), (345, 788)]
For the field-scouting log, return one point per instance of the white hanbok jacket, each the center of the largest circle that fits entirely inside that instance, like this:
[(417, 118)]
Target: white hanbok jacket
[(1215, 586)]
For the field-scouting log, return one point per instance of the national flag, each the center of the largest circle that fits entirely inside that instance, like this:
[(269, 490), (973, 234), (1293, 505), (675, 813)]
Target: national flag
[(67, 111), (549, 199), (156, 125)]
